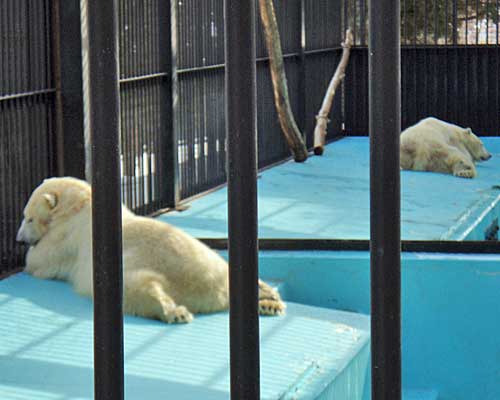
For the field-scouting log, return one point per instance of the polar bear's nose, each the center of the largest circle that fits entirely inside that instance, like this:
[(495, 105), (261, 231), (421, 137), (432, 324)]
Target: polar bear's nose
[(484, 158), (20, 233)]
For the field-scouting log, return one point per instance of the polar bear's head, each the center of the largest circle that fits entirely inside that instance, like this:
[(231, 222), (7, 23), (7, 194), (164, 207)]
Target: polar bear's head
[(55, 200), (475, 146)]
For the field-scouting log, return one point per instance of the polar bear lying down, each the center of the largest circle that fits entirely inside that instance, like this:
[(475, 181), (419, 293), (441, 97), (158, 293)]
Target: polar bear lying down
[(438, 146), (167, 274)]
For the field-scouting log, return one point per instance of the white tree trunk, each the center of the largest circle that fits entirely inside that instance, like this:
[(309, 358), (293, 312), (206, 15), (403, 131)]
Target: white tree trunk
[(322, 118)]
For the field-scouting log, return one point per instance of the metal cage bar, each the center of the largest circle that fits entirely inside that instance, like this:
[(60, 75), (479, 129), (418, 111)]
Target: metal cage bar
[(106, 201), (385, 236), (242, 197)]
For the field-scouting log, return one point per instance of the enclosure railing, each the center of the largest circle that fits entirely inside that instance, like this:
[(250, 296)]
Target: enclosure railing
[(243, 254), (106, 202), (385, 232), (241, 132)]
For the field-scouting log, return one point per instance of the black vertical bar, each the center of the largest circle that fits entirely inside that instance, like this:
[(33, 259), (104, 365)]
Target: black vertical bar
[(242, 197), (454, 34), (69, 88), (466, 22), (303, 95), (171, 194), (385, 241), (362, 18), (425, 21), (106, 200)]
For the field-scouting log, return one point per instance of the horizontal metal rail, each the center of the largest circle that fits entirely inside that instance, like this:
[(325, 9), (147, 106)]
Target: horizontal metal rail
[(138, 78), (16, 96), (411, 246), (260, 59)]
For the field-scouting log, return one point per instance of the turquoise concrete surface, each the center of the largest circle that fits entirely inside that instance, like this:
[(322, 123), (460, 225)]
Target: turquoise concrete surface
[(328, 197), (450, 321), (46, 350)]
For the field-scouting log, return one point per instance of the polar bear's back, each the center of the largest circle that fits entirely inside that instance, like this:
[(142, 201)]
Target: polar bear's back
[(431, 130), (426, 145), (192, 270)]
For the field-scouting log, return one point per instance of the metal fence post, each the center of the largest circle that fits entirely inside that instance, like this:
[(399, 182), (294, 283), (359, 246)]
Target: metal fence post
[(171, 192), (385, 240), (241, 89), (106, 200), (67, 41), (302, 114)]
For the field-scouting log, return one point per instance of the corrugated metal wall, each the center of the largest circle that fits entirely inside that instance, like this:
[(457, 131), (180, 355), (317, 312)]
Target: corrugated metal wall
[(27, 106)]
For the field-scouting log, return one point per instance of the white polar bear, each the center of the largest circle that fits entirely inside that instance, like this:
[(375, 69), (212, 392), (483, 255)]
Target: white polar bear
[(167, 274), (438, 146)]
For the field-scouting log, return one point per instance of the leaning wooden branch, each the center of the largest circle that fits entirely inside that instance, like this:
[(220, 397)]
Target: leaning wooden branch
[(278, 76), (322, 117)]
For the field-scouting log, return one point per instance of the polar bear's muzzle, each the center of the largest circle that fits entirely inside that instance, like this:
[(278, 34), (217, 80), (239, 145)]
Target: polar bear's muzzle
[(25, 235), (485, 158), (21, 233)]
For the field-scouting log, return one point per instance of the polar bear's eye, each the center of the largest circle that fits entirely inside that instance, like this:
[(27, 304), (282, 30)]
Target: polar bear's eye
[(29, 220)]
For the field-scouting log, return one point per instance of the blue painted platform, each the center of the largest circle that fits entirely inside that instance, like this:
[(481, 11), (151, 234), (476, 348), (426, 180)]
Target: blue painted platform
[(328, 197), (46, 350)]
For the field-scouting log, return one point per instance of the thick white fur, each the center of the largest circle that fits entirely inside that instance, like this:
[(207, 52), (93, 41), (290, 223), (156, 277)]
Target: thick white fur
[(168, 274), (438, 146)]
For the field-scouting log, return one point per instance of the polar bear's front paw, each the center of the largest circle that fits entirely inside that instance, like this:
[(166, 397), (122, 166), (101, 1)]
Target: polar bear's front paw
[(465, 173), (271, 307), (178, 315)]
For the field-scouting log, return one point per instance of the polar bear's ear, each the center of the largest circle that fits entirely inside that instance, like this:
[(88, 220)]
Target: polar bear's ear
[(469, 131), (51, 199)]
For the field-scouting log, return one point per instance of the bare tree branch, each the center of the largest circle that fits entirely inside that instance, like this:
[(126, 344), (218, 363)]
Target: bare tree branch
[(322, 117), (278, 76)]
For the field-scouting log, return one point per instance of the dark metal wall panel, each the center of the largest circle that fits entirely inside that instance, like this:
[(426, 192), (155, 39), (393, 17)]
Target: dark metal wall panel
[(322, 23), (141, 129), (140, 43), (26, 158), (144, 99), (319, 71), (201, 92), (200, 127), (288, 18), (25, 47), (201, 33), (449, 64), (356, 93), (27, 98), (272, 146), (456, 84)]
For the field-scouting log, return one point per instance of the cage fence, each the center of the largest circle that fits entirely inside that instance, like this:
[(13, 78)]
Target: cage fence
[(173, 140)]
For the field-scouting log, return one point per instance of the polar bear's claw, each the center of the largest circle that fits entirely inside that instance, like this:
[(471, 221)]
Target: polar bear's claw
[(179, 315), (271, 307), (465, 173)]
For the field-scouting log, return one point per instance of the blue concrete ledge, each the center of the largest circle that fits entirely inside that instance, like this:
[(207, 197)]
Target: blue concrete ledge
[(46, 350), (328, 197)]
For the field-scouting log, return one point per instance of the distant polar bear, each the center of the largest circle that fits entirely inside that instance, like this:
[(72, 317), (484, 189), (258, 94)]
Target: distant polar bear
[(438, 146), (167, 274)]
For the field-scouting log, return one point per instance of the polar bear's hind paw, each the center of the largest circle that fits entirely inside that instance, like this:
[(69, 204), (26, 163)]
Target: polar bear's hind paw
[(178, 315), (271, 307)]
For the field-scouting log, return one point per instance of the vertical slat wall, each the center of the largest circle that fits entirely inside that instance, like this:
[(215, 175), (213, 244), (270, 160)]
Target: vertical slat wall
[(144, 91), (449, 64), (27, 103), (200, 120)]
